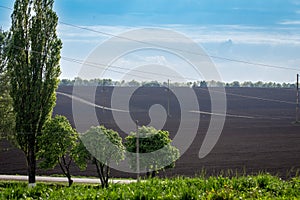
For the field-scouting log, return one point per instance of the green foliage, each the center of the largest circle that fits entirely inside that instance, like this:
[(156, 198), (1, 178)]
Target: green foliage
[(58, 139), (59, 144), (246, 187), (151, 84), (33, 64), (152, 140), (79, 154), (105, 146), (6, 110)]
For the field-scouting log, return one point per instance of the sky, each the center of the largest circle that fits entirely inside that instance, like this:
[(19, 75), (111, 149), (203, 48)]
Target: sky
[(256, 31)]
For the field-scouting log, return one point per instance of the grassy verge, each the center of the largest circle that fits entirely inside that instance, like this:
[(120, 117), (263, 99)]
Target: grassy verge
[(262, 186)]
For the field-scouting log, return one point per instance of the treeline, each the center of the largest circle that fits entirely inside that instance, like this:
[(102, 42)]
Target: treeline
[(133, 83)]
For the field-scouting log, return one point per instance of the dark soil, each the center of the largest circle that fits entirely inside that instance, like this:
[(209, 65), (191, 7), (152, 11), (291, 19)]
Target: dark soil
[(268, 142)]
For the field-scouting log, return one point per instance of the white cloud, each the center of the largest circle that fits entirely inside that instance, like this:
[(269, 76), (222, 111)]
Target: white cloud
[(87, 34), (275, 46), (290, 22), (201, 34), (243, 34)]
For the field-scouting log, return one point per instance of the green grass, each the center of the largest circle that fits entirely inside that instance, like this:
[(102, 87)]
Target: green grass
[(262, 186)]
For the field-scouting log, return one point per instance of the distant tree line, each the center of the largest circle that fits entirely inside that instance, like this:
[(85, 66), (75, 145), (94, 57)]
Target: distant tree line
[(133, 83)]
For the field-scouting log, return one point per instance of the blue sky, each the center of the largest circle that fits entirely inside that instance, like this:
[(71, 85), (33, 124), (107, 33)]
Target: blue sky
[(141, 12), (260, 31)]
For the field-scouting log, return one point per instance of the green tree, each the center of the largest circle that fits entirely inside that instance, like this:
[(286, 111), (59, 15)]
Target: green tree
[(59, 145), (258, 84), (247, 84), (133, 83), (151, 84), (66, 82), (6, 110), (33, 65), (235, 84), (151, 140), (203, 84), (105, 146)]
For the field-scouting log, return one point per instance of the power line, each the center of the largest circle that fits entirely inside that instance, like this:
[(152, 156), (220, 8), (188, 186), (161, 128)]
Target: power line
[(226, 93), (90, 103), (161, 46), (99, 64), (190, 111), (190, 52), (6, 7), (107, 68), (250, 97)]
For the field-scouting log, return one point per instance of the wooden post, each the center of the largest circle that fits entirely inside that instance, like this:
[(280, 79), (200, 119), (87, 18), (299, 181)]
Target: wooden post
[(168, 97), (137, 151)]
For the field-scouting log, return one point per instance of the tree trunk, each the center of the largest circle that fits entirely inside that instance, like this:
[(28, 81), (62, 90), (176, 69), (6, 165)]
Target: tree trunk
[(70, 181), (103, 172), (153, 174), (31, 161), (107, 172), (65, 168), (99, 172), (148, 175)]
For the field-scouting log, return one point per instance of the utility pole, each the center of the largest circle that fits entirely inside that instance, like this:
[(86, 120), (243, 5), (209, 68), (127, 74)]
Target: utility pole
[(137, 151), (103, 95), (168, 97), (297, 101)]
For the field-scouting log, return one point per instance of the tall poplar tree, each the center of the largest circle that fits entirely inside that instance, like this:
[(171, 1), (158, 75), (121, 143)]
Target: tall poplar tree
[(33, 64), (6, 111)]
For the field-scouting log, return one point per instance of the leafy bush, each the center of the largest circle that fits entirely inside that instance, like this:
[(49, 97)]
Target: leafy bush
[(155, 148)]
